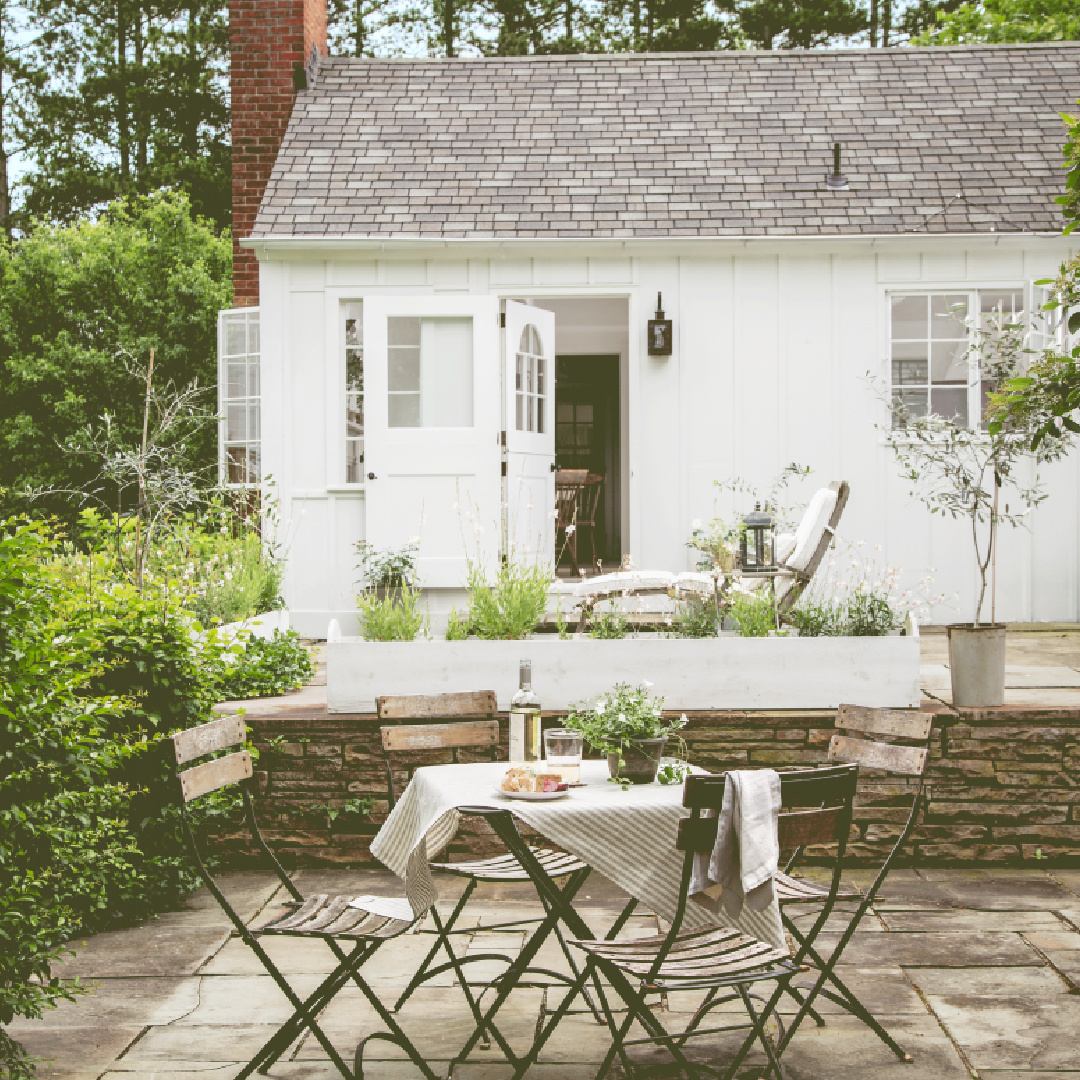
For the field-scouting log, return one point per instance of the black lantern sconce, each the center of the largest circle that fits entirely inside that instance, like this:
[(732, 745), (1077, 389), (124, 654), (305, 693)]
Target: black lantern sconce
[(756, 543), (660, 334)]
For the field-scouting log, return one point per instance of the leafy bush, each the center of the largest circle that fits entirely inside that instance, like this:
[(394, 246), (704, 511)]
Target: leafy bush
[(869, 615), (697, 618), (457, 626), (391, 569), (608, 625), (262, 667), (819, 618), (513, 605), (754, 614), (392, 615)]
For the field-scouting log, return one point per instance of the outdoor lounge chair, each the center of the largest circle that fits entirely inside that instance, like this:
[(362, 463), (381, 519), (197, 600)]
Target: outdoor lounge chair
[(353, 927)]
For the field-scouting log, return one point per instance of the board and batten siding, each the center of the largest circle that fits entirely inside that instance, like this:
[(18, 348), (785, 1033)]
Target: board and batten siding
[(773, 346)]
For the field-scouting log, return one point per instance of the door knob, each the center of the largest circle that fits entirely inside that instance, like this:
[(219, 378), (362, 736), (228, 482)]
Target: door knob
[(553, 466), (371, 476)]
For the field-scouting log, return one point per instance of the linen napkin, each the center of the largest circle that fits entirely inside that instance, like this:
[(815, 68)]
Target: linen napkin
[(745, 857)]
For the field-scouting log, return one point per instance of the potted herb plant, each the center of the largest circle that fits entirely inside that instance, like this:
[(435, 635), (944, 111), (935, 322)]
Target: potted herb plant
[(626, 723), (963, 472)]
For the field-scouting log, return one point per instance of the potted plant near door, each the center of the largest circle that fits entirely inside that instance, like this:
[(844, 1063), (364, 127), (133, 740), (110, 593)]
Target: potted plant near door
[(985, 475), (626, 723)]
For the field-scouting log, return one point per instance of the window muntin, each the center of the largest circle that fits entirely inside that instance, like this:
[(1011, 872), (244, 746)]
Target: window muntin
[(353, 316), (530, 382), (238, 380), (429, 372), (930, 370)]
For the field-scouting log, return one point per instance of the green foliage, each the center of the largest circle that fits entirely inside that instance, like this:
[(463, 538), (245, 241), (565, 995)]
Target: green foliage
[(1002, 22), (754, 614), (620, 715), (392, 569), (869, 615), (697, 618), (864, 613), (392, 615), (457, 626), (608, 625), (142, 275), (510, 607), (1070, 201), (1044, 398), (818, 618), (264, 667)]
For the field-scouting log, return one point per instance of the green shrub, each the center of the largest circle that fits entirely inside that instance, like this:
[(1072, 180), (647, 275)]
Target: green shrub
[(513, 605), (869, 615), (608, 625), (392, 615), (391, 569), (264, 667), (697, 618), (755, 613), (818, 618), (457, 626)]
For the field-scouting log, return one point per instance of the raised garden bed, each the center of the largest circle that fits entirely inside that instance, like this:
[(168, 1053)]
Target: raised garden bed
[(690, 673)]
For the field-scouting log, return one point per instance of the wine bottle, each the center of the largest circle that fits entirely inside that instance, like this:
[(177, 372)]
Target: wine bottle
[(524, 720)]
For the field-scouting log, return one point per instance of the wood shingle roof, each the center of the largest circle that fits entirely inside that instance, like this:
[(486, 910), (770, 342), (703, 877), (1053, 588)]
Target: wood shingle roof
[(954, 140)]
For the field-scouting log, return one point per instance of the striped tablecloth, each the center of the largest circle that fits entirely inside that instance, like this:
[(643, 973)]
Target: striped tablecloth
[(628, 836)]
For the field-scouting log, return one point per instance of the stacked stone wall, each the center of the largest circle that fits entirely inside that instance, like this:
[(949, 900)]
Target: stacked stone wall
[(1004, 783)]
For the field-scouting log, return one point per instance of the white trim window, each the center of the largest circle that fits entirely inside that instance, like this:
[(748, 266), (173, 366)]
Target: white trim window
[(930, 369), (530, 382), (352, 313), (239, 449)]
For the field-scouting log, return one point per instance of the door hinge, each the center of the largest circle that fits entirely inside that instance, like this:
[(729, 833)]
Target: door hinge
[(504, 468), (502, 320), (502, 438)]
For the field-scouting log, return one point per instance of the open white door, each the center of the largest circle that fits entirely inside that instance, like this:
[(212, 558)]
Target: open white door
[(431, 374), (529, 409)]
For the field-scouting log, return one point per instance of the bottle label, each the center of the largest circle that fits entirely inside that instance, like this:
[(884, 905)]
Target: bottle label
[(524, 736)]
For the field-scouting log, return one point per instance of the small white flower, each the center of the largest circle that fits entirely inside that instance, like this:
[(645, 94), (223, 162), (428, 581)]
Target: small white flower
[(683, 720), (622, 718), (571, 529), (601, 705), (696, 523), (646, 683)]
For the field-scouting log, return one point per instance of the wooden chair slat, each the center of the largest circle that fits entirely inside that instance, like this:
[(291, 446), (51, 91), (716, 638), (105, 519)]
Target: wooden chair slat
[(203, 779), (907, 760), (436, 706), (809, 827), (199, 741), (440, 736), (906, 723)]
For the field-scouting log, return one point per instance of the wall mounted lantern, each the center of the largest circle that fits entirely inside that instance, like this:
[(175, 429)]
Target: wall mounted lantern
[(660, 334), (756, 543)]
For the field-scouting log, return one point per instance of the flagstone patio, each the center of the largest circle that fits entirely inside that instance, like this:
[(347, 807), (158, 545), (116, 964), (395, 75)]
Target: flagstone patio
[(976, 972)]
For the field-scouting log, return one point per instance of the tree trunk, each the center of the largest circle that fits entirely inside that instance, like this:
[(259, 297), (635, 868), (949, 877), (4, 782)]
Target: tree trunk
[(886, 22), (873, 23), (568, 20), (141, 135), (359, 32), (448, 27), (123, 120), (5, 189), (190, 133), (635, 14)]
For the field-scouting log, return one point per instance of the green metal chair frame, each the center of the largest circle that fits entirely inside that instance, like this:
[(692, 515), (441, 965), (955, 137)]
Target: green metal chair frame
[(330, 919)]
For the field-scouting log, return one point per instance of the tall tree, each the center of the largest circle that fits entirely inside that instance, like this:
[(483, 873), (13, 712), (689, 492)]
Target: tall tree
[(136, 100), (1003, 22)]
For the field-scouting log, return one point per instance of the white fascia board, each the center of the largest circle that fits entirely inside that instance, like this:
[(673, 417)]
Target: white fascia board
[(283, 247)]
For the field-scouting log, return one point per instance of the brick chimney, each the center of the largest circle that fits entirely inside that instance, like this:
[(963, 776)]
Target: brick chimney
[(271, 43)]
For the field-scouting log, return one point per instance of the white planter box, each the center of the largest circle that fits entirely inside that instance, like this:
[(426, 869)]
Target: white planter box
[(690, 673)]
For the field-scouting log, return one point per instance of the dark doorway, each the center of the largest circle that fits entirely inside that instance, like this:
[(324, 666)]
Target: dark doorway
[(587, 437)]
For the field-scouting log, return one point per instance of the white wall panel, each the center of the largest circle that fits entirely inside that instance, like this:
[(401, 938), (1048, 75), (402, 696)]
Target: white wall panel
[(511, 271), (306, 382)]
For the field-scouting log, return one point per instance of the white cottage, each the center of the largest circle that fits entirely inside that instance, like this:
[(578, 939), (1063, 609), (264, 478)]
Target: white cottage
[(458, 260)]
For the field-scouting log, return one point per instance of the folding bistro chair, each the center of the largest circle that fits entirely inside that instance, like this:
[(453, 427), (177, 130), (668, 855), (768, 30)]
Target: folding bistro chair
[(795, 893), (476, 735), (330, 919), (722, 960)]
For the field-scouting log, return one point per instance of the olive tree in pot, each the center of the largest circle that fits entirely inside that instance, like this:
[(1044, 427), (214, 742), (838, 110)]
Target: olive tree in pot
[(627, 723), (985, 474)]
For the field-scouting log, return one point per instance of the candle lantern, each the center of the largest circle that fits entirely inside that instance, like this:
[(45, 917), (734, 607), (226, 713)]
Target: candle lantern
[(756, 543), (660, 335)]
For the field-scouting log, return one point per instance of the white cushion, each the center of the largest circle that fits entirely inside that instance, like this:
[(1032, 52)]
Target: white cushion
[(624, 581), (812, 528), (784, 546)]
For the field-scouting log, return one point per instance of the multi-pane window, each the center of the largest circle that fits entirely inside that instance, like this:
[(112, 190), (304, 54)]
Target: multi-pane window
[(574, 428), (430, 372), (353, 314), (530, 382), (931, 369), (238, 396)]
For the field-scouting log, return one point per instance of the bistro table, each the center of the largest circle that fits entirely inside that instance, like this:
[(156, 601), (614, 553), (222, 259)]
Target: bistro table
[(627, 835)]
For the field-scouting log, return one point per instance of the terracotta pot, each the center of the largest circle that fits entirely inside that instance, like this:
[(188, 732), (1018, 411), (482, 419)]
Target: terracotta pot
[(642, 759), (977, 664)]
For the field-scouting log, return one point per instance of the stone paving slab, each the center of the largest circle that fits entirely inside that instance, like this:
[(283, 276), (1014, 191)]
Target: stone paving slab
[(974, 944)]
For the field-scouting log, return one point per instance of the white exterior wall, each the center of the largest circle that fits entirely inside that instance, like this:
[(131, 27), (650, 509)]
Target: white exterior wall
[(773, 341)]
